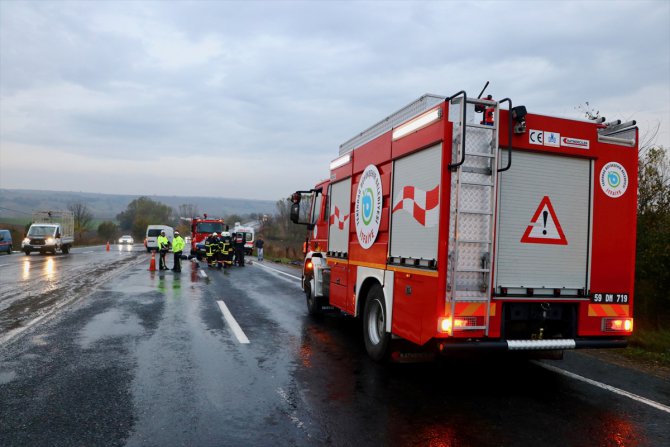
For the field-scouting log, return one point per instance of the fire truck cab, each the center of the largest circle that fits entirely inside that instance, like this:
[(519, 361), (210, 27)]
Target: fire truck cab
[(201, 228), (515, 232)]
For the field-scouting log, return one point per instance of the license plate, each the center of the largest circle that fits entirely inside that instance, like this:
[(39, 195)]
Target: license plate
[(609, 298)]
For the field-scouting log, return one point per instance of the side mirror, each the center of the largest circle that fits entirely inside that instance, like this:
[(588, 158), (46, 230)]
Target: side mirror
[(295, 212)]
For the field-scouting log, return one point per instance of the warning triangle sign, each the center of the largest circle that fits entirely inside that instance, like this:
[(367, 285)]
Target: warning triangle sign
[(544, 226)]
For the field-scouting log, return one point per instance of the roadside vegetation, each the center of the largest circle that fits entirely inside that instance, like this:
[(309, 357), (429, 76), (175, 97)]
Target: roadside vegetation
[(651, 337)]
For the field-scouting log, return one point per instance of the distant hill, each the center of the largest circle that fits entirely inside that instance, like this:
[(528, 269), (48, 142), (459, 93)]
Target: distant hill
[(20, 203)]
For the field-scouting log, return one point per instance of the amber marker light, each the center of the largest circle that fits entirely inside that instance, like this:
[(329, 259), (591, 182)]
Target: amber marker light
[(309, 265)]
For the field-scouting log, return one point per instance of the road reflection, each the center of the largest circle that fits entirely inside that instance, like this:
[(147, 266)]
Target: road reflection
[(26, 269), (49, 268)]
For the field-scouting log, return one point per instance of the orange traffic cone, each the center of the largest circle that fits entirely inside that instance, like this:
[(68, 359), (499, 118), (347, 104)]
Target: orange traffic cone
[(107, 245), (152, 264)]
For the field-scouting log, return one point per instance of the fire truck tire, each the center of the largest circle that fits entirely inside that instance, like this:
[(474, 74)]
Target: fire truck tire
[(313, 303), (377, 340)]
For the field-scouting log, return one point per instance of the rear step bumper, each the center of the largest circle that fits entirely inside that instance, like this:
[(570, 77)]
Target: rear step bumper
[(531, 345)]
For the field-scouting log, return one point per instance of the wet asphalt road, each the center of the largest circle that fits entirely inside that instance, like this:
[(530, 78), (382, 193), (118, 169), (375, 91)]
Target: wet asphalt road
[(97, 350)]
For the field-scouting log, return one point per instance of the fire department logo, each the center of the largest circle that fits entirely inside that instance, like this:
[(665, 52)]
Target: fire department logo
[(368, 212), (613, 179)]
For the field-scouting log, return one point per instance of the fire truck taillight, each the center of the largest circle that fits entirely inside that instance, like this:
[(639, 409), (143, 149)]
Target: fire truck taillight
[(309, 265), (444, 325), (617, 324)]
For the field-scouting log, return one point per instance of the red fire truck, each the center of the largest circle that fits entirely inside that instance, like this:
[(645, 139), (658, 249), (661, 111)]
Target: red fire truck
[(201, 228), (515, 232)]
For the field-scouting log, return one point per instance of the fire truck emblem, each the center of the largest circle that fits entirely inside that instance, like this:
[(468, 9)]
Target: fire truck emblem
[(613, 179), (336, 219), (368, 206), (421, 205)]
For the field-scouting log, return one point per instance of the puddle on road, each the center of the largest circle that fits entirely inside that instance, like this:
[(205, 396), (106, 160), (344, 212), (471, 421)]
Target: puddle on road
[(112, 323), (7, 376)]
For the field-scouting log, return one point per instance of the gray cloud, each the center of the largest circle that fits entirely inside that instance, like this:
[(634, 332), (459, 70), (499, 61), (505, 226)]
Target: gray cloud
[(263, 93)]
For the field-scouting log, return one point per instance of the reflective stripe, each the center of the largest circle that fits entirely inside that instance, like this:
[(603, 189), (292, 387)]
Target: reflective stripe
[(609, 310), (474, 310)]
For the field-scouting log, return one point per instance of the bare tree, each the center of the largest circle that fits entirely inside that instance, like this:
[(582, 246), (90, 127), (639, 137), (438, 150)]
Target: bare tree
[(82, 217), (187, 210)]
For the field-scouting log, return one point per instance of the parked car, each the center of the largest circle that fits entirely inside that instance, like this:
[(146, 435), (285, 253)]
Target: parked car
[(126, 239), (6, 241)]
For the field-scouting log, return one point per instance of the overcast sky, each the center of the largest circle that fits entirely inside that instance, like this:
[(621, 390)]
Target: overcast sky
[(252, 99)]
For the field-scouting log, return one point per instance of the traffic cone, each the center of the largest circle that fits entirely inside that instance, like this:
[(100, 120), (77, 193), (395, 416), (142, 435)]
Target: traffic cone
[(152, 264), (107, 245)]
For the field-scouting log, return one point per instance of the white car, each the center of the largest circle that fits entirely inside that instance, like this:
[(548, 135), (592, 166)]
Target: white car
[(126, 240)]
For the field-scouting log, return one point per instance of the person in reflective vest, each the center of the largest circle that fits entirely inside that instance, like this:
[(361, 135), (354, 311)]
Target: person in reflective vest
[(219, 251), (226, 250), (163, 246), (178, 245), (211, 247)]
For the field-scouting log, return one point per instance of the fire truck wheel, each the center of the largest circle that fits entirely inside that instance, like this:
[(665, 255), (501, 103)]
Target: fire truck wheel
[(377, 340), (313, 303)]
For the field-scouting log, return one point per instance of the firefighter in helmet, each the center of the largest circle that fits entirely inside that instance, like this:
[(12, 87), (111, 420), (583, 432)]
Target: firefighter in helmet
[(226, 250), (239, 248), (211, 248)]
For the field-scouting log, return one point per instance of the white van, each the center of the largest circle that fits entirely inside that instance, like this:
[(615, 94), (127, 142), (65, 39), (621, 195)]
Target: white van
[(153, 231)]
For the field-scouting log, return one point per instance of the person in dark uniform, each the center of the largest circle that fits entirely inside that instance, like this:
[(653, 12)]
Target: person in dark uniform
[(239, 249)]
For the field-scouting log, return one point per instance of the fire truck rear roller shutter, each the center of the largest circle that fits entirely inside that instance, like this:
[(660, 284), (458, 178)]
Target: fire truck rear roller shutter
[(566, 182)]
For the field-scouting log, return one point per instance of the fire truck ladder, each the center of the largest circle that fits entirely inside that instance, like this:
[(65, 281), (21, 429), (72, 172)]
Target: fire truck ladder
[(473, 198)]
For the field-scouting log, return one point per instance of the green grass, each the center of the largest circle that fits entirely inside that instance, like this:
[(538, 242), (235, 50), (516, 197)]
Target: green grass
[(650, 346)]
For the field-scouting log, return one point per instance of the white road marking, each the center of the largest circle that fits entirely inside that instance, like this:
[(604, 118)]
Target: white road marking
[(4, 265), (203, 274), (275, 270), (237, 330), (604, 386)]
